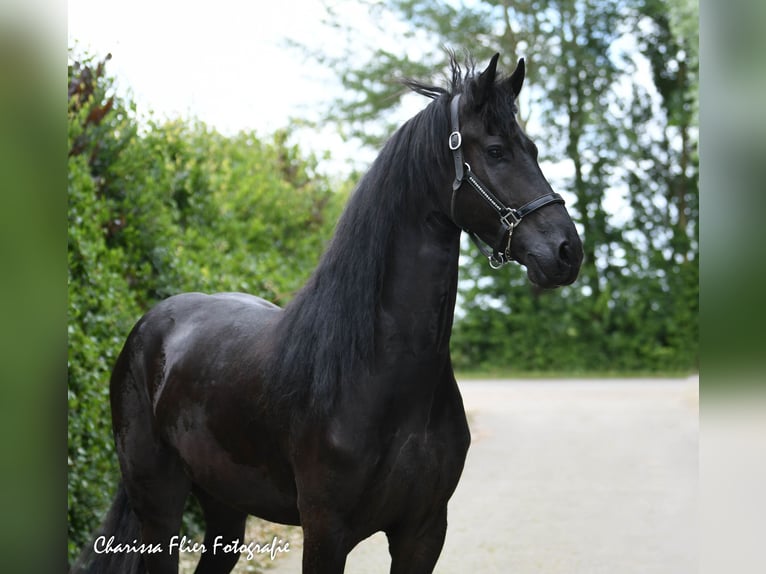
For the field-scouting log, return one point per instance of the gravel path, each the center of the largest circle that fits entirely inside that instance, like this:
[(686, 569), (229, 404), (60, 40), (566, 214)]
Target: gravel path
[(568, 477)]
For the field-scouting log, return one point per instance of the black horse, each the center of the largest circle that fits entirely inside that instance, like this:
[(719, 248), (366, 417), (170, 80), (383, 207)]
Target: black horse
[(340, 413)]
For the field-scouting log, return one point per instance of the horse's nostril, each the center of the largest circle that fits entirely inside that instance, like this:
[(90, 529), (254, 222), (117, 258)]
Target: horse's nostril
[(564, 253)]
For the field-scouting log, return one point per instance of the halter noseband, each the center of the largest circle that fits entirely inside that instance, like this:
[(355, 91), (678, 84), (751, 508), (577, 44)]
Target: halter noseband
[(509, 217)]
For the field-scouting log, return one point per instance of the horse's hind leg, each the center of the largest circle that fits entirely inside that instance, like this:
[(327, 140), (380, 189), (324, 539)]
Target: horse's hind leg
[(154, 478), (224, 522), (158, 500)]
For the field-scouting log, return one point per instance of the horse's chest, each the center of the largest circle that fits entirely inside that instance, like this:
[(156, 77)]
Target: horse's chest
[(419, 459), (420, 469), (384, 467)]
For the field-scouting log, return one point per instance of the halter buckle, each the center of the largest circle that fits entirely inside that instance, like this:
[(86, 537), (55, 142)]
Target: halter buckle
[(511, 219)]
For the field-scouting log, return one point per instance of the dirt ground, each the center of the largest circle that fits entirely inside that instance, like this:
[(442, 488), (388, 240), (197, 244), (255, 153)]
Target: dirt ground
[(587, 476)]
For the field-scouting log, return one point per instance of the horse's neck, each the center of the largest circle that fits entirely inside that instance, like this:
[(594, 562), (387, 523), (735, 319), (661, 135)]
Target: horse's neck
[(417, 304)]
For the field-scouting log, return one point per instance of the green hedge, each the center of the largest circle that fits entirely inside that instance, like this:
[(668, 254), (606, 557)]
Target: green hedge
[(157, 208)]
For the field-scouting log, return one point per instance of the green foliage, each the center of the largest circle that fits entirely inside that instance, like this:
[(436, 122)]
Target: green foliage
[(156, 209)]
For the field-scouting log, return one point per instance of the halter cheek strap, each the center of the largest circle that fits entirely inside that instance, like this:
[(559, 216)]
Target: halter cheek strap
[(509, 217), (455, 144)]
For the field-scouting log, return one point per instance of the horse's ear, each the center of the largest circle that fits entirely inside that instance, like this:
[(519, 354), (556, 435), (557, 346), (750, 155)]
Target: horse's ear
[(486, 82), (516, 80)]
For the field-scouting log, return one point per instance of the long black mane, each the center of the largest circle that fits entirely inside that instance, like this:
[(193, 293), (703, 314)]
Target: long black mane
[(327, 332)]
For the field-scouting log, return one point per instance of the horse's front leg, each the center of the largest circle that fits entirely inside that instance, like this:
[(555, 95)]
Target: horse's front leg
[(325, 542), (416, 547)]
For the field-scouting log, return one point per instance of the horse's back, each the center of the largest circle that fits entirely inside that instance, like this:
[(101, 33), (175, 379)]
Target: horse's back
[(208, 312), (191, 339), (189, 385), (205, 306), (198, 333)]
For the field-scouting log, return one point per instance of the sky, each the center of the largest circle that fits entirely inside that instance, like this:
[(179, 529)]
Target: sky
[(226, 63)]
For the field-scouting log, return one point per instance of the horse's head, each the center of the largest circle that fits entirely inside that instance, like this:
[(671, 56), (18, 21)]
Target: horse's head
[(499, 193)]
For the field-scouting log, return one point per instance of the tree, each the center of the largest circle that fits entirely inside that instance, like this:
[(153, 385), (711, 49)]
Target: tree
[(664, 181)]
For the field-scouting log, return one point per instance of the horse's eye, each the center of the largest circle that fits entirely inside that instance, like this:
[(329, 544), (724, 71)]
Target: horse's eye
[(495, 152)]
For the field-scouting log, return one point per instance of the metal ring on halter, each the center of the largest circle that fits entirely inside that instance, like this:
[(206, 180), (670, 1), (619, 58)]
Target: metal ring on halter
[(455, 140), (496, 263)]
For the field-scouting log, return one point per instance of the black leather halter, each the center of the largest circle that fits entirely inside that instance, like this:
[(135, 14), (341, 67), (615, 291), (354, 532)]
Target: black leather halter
[(509, 217)]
